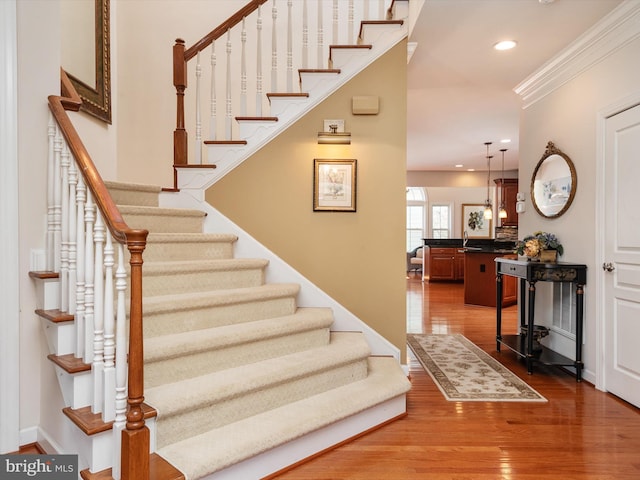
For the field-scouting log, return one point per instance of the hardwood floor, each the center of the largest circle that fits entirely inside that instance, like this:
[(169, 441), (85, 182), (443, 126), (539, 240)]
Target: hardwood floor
[(581, 433)]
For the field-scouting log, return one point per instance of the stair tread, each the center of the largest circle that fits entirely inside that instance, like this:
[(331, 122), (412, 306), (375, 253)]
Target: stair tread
[(170, 399), (91, 423), (156, 211), (70, 363), (55, 315), (204, 454), (177, 344), (191, 237), (223, 264), (219, 297)]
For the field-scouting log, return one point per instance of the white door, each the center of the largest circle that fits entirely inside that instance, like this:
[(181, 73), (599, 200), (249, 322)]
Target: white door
[(622, 256)]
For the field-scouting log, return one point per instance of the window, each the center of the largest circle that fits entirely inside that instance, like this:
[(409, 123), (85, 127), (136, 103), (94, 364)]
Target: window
[(415, 226), (416, 217), (440, 221)]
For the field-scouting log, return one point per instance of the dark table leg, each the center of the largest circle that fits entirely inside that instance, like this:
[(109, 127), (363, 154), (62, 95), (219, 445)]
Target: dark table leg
[(579, 318), (498, 310), (530, 324)]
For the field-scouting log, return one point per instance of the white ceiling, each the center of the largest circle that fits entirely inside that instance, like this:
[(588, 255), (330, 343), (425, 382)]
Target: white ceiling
[(460, 90)]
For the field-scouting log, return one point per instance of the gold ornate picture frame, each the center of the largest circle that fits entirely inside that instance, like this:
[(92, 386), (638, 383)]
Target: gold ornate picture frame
[(334, 185)]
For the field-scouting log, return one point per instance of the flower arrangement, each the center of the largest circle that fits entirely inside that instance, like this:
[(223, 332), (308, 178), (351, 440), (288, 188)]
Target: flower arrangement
[(533, 245)]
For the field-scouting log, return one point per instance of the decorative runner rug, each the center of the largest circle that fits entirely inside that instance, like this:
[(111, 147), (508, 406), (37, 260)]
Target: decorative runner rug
[(463, 372)]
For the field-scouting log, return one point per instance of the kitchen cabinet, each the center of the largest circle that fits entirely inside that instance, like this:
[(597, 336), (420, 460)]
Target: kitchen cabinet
[(444, 264), (509, 191)]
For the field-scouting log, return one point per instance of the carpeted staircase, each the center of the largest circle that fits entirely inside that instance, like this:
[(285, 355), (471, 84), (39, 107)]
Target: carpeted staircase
[(233, 366)]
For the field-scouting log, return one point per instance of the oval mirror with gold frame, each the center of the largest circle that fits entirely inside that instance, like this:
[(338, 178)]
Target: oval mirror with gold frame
[(553, 183)]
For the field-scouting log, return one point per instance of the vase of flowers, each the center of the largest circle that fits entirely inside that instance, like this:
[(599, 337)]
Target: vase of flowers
[(540, 246)]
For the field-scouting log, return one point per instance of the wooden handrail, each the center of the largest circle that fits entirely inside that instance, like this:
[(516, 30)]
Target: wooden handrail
[(135, 438), (221, 29), (180, 58)]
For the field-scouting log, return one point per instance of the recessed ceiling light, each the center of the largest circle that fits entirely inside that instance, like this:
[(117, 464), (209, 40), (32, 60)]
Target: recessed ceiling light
[(505, 140), (471, 169), (459, 166), (505, 45), (545, 2)]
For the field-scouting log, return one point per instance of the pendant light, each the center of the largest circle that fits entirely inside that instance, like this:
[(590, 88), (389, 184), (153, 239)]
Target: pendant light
[(488, 208), (502, 213)]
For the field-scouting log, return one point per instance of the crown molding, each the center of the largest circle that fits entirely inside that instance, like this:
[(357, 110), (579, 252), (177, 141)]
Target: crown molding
[(614, 31)]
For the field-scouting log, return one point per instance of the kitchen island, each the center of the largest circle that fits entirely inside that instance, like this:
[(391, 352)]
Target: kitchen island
[(480, 277)]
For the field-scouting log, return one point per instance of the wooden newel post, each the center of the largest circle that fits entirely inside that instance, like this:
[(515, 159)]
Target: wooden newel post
[(135, 438), (180, 82)]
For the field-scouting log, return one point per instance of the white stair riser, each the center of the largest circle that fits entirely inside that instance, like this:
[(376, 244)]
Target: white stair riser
[(341, 57), (76, 387), (60, 336), (305, 447), (194, 421), (201, 363), (371, 33), (315, 83), (250, 129), (287, 108), (47, 294)]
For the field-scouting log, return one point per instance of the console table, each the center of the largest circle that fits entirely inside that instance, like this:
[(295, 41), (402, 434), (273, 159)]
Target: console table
[(531, 273)]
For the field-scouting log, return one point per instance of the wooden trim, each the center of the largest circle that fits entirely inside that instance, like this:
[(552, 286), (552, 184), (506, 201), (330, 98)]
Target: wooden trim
[(44, 275), (55, 315), (69, 363), (257, 119), (223, 142), (221, 29), (91, 423)]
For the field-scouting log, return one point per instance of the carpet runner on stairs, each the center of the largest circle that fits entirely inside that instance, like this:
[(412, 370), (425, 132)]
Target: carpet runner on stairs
[(233, 365)]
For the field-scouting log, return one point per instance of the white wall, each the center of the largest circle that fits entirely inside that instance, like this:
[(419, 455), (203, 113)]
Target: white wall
[(568, 117), (38, 77)]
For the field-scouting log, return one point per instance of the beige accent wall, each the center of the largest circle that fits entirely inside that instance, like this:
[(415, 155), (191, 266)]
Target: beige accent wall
[(569, 117), (357, 258)]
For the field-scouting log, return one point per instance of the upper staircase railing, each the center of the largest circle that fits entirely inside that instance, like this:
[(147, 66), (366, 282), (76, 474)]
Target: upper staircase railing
[(86, 239), (300, 34)]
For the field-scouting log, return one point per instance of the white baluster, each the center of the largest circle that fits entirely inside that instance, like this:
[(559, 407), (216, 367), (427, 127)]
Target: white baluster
[(259, 64), (89, 262), (381, 14), (214, 99), (335, 23), (81, 198), (366, 15), (289, 47), (243, 69), (198, 136), (320, 36), (228, 125), (64, 230), (57, 201), (109, 376), (97, 365), (274, 49), (305, 35), (350, 24), (51, 138), (121, 363), (73, 216)]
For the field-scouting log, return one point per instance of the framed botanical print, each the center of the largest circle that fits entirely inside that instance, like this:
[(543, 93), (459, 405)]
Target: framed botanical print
[(473, 221), (334, 185)]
